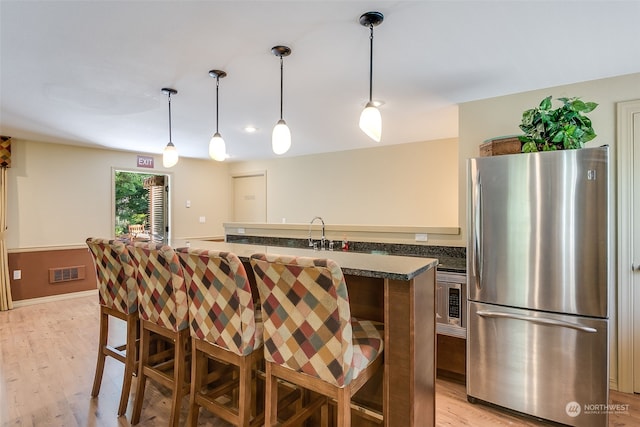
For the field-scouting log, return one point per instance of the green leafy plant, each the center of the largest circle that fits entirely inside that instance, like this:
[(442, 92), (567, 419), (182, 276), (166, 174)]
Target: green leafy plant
[(564, 128)]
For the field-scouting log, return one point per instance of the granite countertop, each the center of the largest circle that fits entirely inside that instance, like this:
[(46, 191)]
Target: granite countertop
[(352, 263), (453, 265), (450, 258)]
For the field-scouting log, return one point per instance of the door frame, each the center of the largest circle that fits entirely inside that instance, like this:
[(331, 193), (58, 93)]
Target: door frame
[(169, 176), (625, 137)]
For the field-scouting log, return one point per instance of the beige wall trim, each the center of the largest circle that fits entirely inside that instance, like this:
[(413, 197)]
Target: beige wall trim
[(47, 248), (32, 301), (206, 238), (446, 236), (626, 111), (230, 226)]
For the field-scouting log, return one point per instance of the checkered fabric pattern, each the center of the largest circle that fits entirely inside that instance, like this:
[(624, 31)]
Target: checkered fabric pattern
[(221, 309), (307, 319), (115, 273), (162, 293)]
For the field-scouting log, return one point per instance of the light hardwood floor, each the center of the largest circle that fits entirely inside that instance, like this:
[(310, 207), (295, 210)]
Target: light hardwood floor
[(47, 362)]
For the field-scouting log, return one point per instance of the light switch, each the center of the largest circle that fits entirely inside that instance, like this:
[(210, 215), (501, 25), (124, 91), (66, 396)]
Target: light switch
[(187, 204), (202, 220), (17, 274)]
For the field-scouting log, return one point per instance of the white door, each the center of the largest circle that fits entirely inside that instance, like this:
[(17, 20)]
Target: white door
[(628, 239), (250, 198)]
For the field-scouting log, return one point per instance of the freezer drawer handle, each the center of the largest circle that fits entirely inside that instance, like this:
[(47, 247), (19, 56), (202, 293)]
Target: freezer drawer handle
[(539, 320)]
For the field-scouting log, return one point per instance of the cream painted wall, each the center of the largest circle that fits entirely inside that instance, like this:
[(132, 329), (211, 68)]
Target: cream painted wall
[(61, 194), (406, 184), (484, 119)]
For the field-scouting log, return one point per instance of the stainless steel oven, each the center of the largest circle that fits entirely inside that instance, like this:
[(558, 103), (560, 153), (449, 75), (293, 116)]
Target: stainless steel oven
[(451, 304)]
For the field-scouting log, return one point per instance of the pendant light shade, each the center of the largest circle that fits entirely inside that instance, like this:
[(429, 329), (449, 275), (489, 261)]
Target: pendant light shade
[(217, 147), (170, 154), (371, 122), (370, 119), (281, 136)]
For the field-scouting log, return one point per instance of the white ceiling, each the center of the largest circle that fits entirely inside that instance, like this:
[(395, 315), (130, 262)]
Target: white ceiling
[(90, 72)]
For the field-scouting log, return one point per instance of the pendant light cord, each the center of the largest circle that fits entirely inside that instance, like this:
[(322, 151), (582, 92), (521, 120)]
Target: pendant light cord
[(169, 117), (281, 84), (217, 87), (371, 64)]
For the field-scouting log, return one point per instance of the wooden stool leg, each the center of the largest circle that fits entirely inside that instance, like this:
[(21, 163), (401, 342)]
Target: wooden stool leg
[(145, 337), (271, 398), (102, 343), (344, 408), (199, 370), (179, 377), (324, 415), (129, 364), (245, 402)]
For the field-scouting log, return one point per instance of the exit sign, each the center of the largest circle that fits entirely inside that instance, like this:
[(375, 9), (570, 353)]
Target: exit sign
[(145, 162)]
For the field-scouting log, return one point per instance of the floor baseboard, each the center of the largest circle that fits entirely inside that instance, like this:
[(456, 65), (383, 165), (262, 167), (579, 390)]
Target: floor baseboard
[(51, 298)]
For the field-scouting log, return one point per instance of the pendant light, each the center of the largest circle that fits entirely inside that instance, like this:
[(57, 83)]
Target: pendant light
[(217, 147), (170, 154), (370, 119), (281, 136)]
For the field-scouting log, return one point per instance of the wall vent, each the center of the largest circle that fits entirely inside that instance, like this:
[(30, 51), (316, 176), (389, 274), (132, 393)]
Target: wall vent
[(66, 274)]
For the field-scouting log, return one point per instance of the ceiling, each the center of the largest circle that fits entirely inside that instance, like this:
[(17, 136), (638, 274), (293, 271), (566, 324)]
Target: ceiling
[(91, 72)]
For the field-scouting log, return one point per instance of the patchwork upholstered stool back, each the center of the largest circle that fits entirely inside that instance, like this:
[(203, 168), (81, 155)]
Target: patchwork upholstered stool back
[(310, 338), (162, 296), (116, 278), (307, 316), (221, 309), (115, 273), (163, 310), (223, 328)]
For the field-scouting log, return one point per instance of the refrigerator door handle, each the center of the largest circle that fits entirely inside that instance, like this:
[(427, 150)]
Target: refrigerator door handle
[(538, 320), (477, 233)]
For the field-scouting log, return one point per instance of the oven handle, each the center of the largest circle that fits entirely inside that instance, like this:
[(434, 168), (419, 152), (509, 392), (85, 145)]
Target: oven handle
[(538, 320)]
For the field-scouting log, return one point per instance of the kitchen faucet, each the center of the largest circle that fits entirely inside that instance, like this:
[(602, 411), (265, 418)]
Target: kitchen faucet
[(322, 238)]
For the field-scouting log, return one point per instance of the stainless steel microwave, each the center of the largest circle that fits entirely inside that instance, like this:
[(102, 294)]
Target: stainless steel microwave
[(451, 304)]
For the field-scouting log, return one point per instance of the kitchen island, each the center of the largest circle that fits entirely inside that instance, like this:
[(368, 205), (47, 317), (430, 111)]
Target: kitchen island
[(398, 291)]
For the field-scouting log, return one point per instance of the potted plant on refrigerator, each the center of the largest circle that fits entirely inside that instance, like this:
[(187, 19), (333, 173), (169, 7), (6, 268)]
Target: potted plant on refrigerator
[(564, 128)]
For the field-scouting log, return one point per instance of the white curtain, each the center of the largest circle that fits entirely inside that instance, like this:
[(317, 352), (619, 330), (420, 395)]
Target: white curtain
[(5, 286)]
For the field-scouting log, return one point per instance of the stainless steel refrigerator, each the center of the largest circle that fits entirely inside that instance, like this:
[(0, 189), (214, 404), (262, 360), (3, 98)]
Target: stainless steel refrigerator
[(537, 268)]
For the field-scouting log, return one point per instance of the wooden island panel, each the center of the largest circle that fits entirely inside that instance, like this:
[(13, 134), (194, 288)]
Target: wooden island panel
[(410, 351), (399, 291)]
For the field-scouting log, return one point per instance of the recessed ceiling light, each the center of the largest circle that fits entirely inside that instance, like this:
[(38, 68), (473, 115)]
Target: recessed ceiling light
[(250, 129)]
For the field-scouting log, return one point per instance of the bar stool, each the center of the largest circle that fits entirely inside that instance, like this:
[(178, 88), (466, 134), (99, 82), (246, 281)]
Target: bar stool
[(223, 329), (310, 338), (163, 310), (115, 274)]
